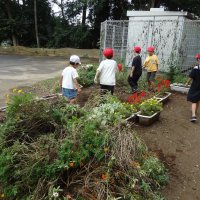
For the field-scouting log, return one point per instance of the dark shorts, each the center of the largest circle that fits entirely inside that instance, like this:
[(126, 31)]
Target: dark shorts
[(69, 93), (193, 95), (107, 88), (151, 76)]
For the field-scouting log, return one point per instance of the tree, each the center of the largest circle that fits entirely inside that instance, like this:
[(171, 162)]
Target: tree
[(36, 24), (7, 4)]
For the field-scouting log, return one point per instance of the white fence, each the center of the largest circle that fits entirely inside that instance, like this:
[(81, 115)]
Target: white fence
[(176, 41)]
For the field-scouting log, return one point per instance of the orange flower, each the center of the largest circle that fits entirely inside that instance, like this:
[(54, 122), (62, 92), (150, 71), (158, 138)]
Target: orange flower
[(104, 176)]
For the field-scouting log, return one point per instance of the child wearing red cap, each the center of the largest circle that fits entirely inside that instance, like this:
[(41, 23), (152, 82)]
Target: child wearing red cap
[(106, 72), (151, 64), (136, 70), (194, 91)]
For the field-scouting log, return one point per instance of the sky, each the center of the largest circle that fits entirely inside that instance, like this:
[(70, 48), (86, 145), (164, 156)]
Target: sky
[(55, 7)]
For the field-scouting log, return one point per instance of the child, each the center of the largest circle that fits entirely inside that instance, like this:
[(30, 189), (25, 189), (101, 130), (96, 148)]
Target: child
[(136, 70), (68, 80), (151, 63), (194, 91), (106, 72)]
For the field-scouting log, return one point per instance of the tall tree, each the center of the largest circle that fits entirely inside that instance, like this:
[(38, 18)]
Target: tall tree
[(7, 4), (36, 24)]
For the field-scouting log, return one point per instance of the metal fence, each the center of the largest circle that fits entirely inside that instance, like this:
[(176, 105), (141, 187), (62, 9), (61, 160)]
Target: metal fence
[(176, 41), (190, 44), (114, 34)]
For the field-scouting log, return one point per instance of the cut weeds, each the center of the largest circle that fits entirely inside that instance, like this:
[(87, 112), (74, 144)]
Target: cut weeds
[(53, 150)]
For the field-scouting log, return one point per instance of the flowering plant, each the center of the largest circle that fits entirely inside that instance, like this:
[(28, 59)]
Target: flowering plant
[(150, 107), (163, 87), (136, 99)]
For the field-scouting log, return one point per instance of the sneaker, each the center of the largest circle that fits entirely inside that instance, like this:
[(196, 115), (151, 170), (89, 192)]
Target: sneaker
[(193, 119), (134, 90)]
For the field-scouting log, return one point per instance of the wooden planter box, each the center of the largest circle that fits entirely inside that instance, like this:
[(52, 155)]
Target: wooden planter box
[(179, 88), (148, 120), (165, 98)]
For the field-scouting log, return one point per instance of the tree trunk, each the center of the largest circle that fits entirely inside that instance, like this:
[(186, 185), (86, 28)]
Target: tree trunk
[(36, 24), (153, 3), (8, 8), (84, 13), (62, 10)]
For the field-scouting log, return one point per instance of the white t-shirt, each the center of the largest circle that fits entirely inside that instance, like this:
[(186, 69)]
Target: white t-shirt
[(69, 73), (108, 69)]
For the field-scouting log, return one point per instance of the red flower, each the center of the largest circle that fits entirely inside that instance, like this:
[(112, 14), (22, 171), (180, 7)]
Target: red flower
[(142, 94)]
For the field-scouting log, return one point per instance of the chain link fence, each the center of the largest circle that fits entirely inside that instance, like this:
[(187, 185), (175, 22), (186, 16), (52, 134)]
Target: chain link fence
[(176, 41), (114, 34)]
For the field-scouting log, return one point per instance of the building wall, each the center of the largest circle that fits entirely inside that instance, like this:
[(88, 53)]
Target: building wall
[(162, 32)]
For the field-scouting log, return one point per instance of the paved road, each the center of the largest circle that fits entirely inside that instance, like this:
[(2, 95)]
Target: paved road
[(18, 70)]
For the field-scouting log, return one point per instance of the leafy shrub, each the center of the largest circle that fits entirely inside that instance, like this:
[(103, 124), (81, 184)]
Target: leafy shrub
[(16, 100), (150, 106), (86, 76), (94, 150), (154, 169), (179, 78)]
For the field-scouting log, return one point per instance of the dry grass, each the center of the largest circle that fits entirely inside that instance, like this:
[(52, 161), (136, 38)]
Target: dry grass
[(83, 53)]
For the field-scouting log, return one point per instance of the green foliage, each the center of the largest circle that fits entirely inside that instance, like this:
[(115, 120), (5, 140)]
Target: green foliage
[(52, 146), (122, 77), (150, 106), (154, 169), (180, 78), (15, 102), (86, 75)]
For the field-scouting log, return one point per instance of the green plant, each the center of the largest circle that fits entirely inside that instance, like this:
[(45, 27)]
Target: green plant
[(180, 78), (122, 77), (55, 147), (16, 100), (150, 106), (86, 75), (156, 170)]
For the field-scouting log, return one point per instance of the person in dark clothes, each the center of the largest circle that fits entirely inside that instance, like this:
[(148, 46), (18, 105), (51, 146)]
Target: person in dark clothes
[(136, 70), (194, 91)]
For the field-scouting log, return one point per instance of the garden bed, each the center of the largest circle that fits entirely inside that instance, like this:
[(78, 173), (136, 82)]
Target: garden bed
[(67, 144), (179, 88)]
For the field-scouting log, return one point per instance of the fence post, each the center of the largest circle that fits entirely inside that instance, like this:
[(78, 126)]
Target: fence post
[(122, 48), (105, 36), (113, 36)]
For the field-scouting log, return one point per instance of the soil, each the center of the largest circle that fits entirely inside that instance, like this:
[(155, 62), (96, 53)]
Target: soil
[(175, 140)]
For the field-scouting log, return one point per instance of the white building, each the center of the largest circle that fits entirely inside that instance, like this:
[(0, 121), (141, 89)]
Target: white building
[(175, 37)]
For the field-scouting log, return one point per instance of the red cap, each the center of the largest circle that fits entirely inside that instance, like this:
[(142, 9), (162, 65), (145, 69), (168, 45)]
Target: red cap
[(120, 67), (198, 56), (150, 49), (108, 52), (137, 49)]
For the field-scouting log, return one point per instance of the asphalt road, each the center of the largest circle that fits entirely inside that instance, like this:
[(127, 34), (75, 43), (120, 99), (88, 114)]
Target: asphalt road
[(18, 71)]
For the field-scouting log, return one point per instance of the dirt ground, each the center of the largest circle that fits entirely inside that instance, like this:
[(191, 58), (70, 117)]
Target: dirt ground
[(176, 141)]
